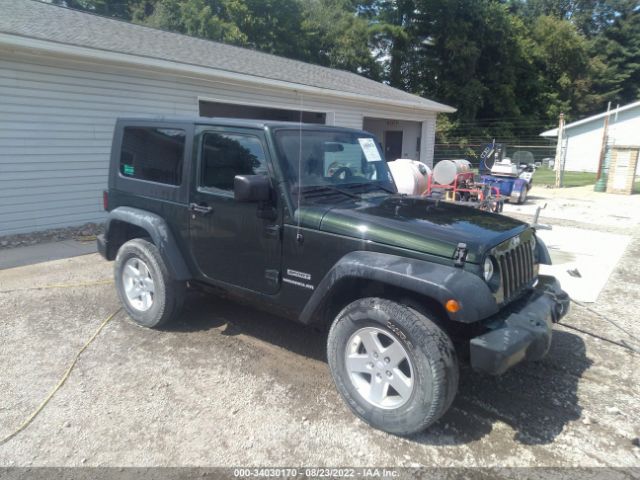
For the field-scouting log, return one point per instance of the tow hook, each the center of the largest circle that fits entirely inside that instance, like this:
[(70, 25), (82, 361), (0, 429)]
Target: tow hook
[(561, 304)]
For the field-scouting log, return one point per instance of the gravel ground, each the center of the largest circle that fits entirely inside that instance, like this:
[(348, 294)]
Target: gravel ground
[(86, 232), (229, 386)]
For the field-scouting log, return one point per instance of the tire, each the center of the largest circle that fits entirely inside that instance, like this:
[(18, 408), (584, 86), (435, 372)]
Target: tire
[(161, 297), (523, 196), (430, 365)]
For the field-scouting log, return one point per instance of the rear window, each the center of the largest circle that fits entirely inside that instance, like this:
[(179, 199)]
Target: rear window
[(153, 154)]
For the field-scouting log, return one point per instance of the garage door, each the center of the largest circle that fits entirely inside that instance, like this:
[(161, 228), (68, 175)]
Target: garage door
[(231, 110)]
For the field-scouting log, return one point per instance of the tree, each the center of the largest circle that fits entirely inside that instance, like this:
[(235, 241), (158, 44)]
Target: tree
[(564, 68), (395, 39), (198, 18), (337, 36), (617, 52), (273, 26), (471, 54)]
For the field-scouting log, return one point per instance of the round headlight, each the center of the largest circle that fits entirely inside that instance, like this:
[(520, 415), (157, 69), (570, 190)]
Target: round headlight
[(488, 269)]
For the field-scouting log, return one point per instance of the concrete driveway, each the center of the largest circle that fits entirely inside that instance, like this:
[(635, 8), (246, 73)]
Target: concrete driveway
[(231, 386)]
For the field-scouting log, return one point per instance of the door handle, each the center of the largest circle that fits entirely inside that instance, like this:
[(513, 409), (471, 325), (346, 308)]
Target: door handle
[(202, 209)]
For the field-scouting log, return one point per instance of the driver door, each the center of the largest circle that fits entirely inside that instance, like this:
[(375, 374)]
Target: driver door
[(231, 241)]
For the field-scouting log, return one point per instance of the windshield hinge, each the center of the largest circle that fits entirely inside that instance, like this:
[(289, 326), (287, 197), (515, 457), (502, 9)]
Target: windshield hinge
[(460, 255)]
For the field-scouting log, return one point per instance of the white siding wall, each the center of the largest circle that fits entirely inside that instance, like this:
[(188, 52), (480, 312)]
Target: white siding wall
[(583, 148), (411, 131), (625, 129), (584, 142), (428, 140), (57, 117)]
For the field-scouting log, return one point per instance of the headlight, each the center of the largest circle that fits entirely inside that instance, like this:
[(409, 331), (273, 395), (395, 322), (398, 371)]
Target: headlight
[(488, 269)]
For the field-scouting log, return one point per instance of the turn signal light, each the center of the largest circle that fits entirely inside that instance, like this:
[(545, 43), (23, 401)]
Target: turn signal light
[(452, 306)]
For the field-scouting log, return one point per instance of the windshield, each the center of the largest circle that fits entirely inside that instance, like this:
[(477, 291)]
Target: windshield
[(341, 161)]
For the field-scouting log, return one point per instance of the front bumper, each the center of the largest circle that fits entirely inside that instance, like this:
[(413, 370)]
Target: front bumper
[(523, 331)]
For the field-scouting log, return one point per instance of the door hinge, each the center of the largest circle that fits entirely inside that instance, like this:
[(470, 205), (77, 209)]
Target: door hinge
[(272, 276), (272, 231), (460, 255)]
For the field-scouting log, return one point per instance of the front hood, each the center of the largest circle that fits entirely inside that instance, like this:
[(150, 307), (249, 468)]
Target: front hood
[(422, 224)]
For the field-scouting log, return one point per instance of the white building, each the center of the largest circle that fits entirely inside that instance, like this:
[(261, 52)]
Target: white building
[(584, 137), (65, 76)]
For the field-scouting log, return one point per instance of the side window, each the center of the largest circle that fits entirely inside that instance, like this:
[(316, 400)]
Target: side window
[(153, 154), (225, 156)]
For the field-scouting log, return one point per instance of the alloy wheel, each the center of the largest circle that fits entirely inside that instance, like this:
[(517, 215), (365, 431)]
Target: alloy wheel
[(138, 284), (379, 368)]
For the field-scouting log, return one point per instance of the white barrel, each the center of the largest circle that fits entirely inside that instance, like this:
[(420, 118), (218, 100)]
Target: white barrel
[(411, 176), (445, 171)]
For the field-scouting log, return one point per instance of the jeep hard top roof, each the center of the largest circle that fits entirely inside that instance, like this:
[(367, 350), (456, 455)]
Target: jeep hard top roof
[(232, 122)]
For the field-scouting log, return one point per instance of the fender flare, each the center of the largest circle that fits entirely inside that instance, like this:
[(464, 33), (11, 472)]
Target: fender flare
[(542, 252), (436, 281), (160, 234)]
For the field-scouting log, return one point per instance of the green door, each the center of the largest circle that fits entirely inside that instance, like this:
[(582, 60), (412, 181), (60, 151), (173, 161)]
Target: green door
[(232, 242)]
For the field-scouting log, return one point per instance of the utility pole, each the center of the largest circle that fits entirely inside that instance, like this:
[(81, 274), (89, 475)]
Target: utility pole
[(601, 182), (557, 166)]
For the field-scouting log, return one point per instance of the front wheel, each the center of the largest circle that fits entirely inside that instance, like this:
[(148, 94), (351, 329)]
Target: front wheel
[(394, 367)]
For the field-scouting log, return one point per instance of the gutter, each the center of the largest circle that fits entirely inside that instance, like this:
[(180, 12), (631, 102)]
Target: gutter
[(189, 70)]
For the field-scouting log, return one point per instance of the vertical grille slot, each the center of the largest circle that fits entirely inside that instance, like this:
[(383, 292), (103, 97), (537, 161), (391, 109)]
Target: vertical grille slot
[(516, 266), (516, 269), (520, 264), (529, 261), (506, 281), (512, 271)]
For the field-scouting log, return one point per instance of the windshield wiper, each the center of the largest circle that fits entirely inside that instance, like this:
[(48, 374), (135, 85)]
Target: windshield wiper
[(375, 185), (321, 188), (386, 189)]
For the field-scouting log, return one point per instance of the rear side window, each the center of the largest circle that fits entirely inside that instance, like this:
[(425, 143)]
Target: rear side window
[(225, 156), (153, 154)]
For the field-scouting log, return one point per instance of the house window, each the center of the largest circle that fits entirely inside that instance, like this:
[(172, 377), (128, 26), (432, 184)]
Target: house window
[(153, 154)]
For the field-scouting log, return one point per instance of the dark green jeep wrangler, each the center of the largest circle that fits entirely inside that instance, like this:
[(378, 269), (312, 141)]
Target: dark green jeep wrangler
[(305, 221)]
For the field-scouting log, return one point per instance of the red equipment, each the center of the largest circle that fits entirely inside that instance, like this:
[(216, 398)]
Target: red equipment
[(466, 190)]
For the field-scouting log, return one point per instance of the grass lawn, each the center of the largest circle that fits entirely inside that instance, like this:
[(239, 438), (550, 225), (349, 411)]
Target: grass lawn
[(546, 176)]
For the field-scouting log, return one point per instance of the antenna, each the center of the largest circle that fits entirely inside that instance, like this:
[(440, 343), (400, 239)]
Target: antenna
[(299, 237)]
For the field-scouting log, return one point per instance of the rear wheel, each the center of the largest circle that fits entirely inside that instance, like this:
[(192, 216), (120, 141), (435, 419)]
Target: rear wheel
[(395, 368), (523, 196), (146, 289)]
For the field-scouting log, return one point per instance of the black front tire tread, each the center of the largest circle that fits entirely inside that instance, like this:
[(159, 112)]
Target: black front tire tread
[(421, 331)]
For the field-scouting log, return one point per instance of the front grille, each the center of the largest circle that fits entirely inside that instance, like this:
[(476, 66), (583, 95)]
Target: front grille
[(516, 269)]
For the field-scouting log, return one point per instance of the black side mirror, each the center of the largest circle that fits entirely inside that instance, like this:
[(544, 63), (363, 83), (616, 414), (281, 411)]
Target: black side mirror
[(251, 188)]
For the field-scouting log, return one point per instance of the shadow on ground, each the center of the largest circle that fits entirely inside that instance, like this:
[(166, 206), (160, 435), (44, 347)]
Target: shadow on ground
[(534, 197), (205, 312), (537, 400)]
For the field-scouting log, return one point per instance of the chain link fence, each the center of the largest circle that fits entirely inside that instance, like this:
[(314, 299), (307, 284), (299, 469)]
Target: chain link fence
[(541, 153)]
